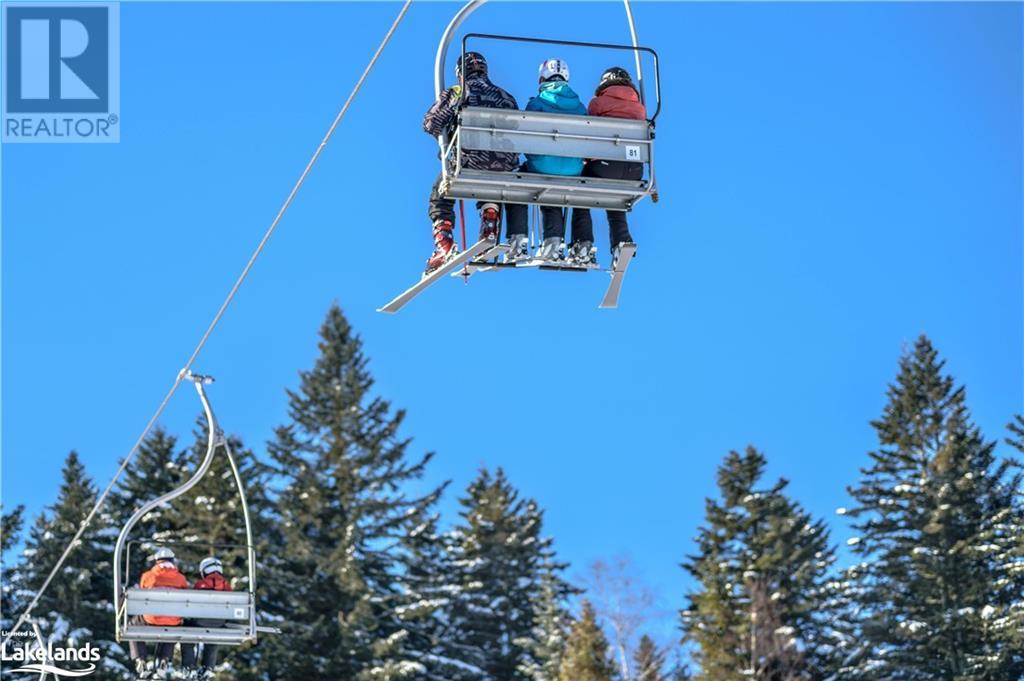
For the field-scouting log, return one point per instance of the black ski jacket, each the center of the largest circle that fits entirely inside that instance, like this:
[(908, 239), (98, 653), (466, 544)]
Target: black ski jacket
[(480, 91)]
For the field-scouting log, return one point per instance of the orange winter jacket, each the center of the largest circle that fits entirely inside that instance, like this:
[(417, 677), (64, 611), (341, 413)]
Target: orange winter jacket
[(163, 576)]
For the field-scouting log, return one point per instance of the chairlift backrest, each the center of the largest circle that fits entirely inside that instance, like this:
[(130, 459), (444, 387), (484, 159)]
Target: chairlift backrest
[(551, 134), (189, 603)]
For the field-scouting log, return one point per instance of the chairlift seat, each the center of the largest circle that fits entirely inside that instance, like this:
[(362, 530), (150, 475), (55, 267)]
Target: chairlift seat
[(535, 132), (545, 190), (227, 635)]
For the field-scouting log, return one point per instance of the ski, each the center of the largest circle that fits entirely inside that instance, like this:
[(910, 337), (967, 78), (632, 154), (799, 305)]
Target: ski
[(564, 268), (611, 296), (471, 268), (479, 266), (481, 250)]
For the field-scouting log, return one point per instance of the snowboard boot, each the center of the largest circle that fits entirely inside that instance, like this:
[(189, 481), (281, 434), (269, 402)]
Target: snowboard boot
[(444, 246), (490, 222), (518, 249), (552, 250), (583, 254)]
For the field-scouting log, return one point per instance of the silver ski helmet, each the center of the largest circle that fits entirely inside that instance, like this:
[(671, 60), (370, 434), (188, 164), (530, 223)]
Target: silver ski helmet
[(551, 69), (210, 565), (163, 554), (616, 75), (471, 64)]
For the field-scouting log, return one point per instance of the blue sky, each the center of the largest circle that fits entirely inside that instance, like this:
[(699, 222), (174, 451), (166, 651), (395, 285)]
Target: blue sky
[(836, 179)]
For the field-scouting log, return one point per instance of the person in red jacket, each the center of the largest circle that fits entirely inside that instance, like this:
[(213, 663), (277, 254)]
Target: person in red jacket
[(211, 578), (617, 97), (163, 574)]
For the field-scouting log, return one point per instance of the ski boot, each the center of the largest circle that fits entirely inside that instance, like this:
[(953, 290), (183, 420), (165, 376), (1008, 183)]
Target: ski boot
[(518, 249), (552, 250), (444, 246), (164, 670), (617, 250), (144, 668), (583, 254), (205, 674), (490, 222)]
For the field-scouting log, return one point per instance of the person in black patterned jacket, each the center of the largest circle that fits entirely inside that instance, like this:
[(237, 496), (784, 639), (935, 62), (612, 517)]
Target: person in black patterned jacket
[(440, 119)]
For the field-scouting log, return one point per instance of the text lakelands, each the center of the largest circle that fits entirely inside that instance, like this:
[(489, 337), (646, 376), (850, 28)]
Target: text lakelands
[(55, 653)]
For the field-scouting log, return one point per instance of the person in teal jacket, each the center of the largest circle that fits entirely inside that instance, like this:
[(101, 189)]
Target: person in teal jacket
[(554, 96)]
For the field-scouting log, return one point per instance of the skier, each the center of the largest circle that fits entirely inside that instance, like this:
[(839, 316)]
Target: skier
[(439, 119), (162, 575), (554, 96), (616, 96), (211, 578)]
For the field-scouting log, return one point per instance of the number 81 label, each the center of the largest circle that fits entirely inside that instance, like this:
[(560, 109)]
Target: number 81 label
[(632, 153)]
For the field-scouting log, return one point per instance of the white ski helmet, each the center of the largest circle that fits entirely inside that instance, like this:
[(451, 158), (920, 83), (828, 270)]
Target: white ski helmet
[(553, 68), (163, 554), (210, 565)]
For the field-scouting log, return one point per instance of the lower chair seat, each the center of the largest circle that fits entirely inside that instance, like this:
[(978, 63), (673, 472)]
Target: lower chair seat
[(545, 190), (227, 635)]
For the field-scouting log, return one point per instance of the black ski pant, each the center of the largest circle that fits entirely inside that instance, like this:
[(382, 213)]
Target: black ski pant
[(618, 227), (209, 653), (208, 657), (553, 220), (139, 650), (440, 208)]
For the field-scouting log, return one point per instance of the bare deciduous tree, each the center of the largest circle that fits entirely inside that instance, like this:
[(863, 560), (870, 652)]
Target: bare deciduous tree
[(624, 601)]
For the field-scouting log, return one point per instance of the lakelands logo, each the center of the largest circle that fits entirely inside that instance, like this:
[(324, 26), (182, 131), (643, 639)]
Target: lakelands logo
[(61, 72), (52, 660)]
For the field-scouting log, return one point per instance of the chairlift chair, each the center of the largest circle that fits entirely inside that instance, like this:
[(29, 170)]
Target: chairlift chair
[(236, 608), (550, 134), (540, 133)]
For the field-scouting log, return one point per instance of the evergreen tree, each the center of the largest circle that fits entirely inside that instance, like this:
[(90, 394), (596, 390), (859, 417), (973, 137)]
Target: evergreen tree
[(682, 673), (649, 661), (547, 641), (1005, 621), (587, 655), (762, 563), (680, 670), (427, 593), (345, 505), (76, 608), (11, 601), (499, 557), (934, 514)]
